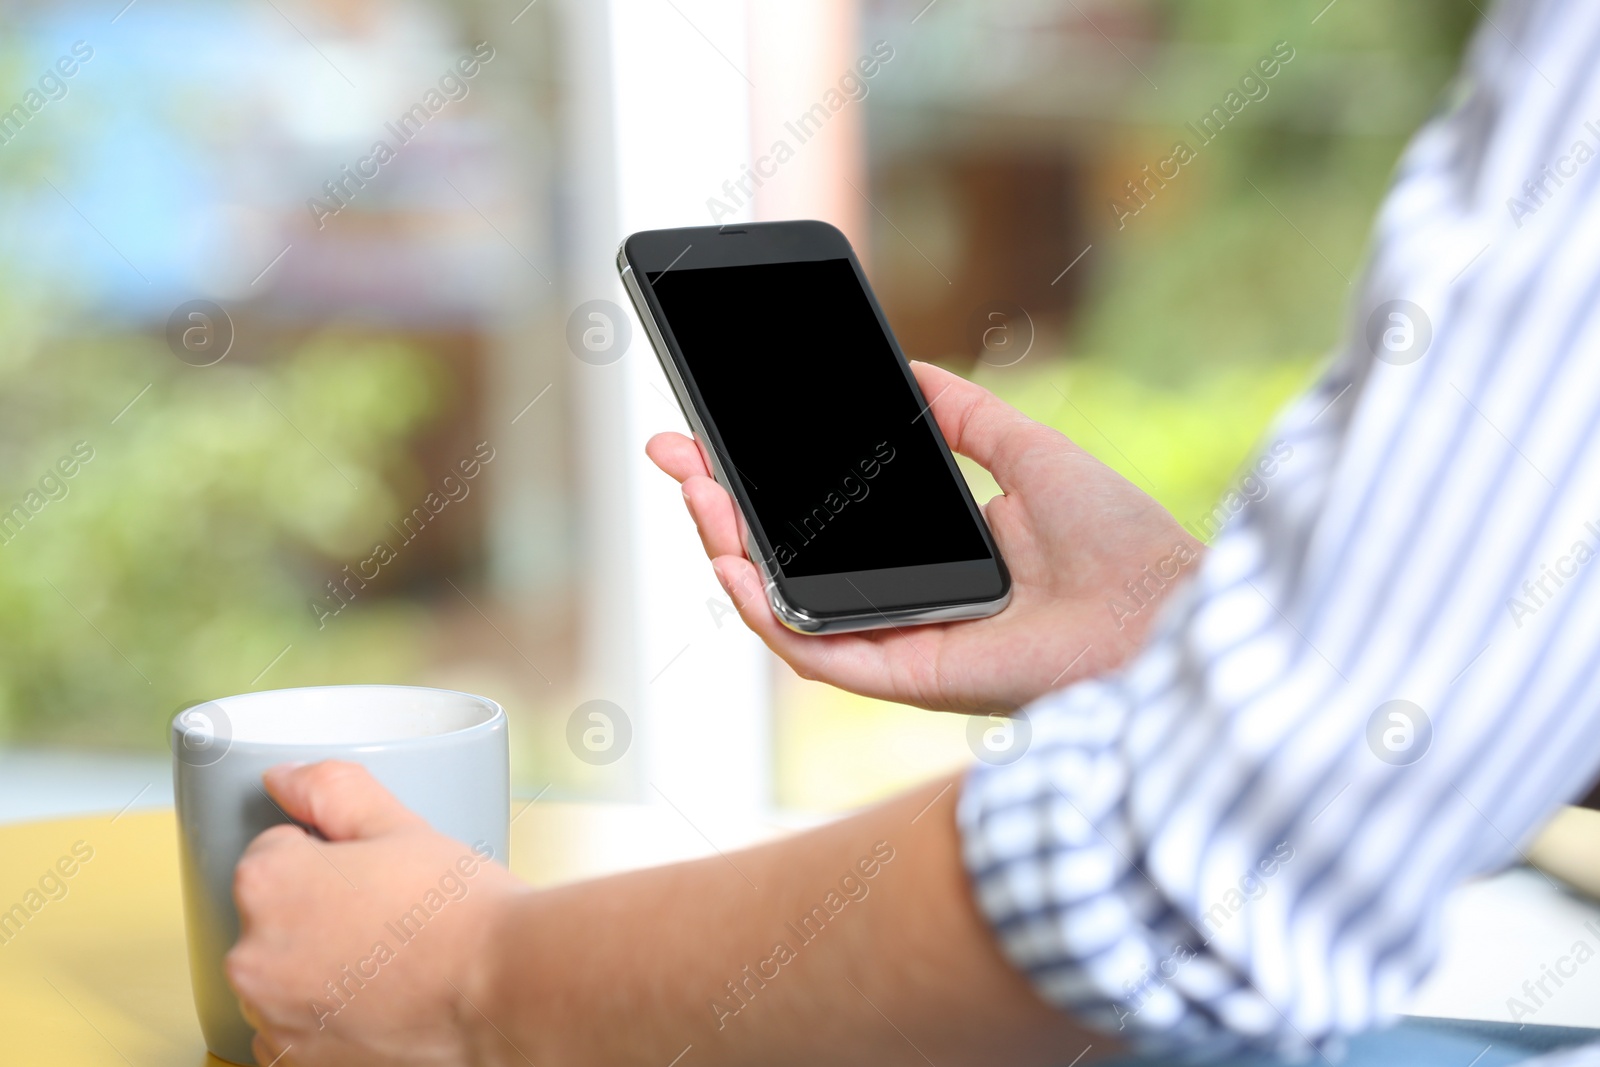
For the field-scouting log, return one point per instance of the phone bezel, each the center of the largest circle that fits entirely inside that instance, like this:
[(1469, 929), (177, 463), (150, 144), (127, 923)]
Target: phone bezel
[(827, 602)]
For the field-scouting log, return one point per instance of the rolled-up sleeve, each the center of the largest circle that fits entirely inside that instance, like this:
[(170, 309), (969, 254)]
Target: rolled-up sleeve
[(1385, 672)]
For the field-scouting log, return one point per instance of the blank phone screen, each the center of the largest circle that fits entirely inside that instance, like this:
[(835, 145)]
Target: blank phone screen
[(835, 451)]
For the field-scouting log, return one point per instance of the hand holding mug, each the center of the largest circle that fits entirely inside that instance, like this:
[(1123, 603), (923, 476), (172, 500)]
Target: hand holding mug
[(370, 943)]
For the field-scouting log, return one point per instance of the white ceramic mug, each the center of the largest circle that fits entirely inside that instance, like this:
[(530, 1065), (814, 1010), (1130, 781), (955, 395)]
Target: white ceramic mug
[(442, 753)]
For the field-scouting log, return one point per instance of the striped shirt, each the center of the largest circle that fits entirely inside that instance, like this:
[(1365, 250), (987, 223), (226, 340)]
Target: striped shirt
[(1385, 674)]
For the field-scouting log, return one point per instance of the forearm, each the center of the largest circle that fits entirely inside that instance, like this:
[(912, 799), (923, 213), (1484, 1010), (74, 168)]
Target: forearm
[(786, 953)]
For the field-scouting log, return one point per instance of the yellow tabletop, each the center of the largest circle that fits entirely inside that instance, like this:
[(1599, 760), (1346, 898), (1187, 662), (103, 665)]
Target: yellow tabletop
[(93, 968)]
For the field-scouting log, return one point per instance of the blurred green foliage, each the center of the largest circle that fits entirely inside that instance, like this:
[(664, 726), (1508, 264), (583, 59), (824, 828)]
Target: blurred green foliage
[(1211, 307), (1183, 447), (177, 562), (1247, 256)]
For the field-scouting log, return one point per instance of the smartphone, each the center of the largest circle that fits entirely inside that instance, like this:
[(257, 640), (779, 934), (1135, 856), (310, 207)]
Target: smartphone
[(808, 414)]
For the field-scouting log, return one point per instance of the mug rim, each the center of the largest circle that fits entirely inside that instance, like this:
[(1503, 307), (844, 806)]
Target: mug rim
[(495, 717)]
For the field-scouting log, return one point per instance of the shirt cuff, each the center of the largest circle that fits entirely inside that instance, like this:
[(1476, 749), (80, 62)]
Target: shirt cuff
[(1057, 870)]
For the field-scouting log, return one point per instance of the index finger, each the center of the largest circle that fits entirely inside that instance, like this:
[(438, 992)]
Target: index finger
[(342, 800)]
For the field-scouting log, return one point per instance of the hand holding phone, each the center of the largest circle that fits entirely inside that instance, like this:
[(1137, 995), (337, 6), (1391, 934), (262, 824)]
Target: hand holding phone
[(1074, 532)]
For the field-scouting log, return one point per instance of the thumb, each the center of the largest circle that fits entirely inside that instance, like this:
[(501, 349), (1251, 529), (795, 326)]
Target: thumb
[(976, 423), (342, 800)]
